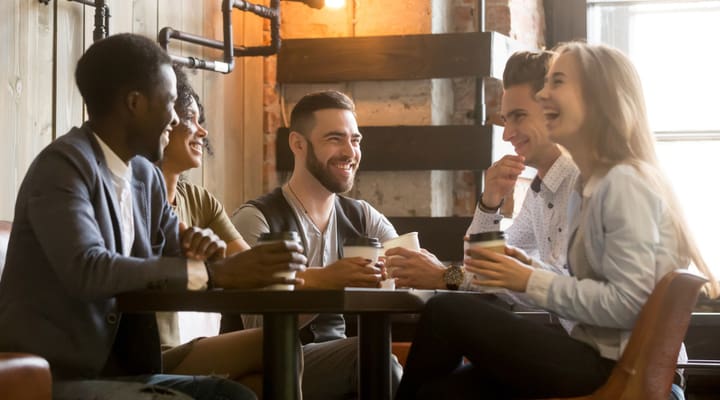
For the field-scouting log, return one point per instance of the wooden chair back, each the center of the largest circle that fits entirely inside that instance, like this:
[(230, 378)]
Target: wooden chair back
[(647, 366)]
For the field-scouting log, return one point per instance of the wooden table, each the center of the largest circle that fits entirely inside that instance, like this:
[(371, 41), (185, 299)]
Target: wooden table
[(280, 310)]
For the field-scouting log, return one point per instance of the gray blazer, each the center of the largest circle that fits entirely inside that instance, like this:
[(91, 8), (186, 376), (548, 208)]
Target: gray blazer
[(63, 267)]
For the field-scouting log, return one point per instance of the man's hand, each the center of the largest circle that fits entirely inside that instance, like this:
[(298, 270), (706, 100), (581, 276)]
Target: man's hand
[(201, 244), (415, 269), (498, 270), (255, 268), (346, 272), (500, 179)]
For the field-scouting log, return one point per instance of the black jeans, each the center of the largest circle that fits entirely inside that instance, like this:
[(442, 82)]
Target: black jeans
[(510, 357), (183, 387)]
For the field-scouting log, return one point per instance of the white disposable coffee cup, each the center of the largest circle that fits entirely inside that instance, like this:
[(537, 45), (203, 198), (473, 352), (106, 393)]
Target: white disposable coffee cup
[(272, 237), (365, 247), (408, 241), (494, 241)]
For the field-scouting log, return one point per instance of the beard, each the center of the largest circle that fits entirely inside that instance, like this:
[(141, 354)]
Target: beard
[(323, 175)]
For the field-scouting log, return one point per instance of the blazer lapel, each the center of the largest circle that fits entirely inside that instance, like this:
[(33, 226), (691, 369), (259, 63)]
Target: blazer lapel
[(141, 218)]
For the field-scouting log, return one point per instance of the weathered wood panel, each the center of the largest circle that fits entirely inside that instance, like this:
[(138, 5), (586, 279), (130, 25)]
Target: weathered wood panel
[(234, 114), (252, 112), (70, 43), (214, 87), (26, 44)]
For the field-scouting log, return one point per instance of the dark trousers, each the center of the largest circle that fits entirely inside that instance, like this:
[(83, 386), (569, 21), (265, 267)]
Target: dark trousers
[(510, 357), (155, 387)]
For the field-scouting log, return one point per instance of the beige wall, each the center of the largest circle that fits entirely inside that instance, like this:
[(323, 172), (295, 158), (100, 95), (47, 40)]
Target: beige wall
[(39, 100)]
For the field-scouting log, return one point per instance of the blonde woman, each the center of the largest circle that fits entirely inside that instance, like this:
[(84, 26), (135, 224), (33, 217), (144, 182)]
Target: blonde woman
[(626, 234)]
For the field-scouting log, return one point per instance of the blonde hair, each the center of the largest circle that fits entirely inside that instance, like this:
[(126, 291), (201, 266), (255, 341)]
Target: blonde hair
[(618, 132)]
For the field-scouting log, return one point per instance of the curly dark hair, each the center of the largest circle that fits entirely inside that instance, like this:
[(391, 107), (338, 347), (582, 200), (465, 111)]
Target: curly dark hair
[(116, 65), (185, 95)]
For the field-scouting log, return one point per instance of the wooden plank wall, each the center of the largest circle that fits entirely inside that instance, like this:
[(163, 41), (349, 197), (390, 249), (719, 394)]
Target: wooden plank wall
[(39, 46)]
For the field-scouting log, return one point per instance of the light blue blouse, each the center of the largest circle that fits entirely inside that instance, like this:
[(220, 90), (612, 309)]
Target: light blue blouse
[(622, 244)]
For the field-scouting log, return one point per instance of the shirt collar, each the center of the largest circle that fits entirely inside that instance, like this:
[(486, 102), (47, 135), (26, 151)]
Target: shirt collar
[(116, 165), (556, 175)]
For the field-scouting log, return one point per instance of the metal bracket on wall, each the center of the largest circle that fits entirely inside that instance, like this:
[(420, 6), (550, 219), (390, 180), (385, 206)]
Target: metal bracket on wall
[(229, 51), (102, 16), (272, 13)]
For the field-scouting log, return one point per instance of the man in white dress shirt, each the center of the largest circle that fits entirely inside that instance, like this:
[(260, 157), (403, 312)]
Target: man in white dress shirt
[(540, 229)]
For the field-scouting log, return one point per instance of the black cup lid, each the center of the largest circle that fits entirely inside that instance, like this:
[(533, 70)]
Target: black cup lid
[(486, 236), (363, 241), (291, 236)]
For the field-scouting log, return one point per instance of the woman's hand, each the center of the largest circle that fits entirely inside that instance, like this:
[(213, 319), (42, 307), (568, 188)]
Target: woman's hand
[(499, 270)]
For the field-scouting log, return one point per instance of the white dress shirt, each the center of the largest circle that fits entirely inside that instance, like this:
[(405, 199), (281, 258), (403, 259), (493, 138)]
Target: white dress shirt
[(541, 227), (121, 176)]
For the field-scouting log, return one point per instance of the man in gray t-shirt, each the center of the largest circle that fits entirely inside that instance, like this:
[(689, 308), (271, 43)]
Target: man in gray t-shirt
[(325, 142)]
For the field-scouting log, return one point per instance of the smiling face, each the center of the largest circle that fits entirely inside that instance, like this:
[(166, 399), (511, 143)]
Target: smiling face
[(525, 124), (187, 140), (150, 131), (333, 152), (563, 103)]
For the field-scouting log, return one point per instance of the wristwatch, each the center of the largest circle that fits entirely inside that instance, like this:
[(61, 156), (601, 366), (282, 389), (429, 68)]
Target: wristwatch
[(454, 276)]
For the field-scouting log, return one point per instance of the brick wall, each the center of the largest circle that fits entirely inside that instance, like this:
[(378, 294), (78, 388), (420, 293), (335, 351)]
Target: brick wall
[(423, 102)]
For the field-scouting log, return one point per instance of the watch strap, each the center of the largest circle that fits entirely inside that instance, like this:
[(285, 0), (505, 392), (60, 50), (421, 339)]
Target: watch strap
[(487, 209)]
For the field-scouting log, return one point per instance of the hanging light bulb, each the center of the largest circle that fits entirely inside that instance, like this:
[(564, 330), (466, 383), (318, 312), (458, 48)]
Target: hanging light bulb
[(335, 4)]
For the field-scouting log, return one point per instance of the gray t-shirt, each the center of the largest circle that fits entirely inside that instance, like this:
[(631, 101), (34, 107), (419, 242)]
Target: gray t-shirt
[(322, 247)]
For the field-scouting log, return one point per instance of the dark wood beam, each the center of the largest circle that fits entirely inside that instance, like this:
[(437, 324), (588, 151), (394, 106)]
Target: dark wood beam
[(404, 57), (404, 148), (442, 236)]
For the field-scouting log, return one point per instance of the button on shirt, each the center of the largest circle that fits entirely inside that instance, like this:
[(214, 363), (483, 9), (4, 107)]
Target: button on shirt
[(541, 227)]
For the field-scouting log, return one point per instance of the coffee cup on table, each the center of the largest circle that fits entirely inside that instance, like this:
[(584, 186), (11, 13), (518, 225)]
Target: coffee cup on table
[(408, 241), (368, 248), (365, 247), (272, 237), (493, 241)]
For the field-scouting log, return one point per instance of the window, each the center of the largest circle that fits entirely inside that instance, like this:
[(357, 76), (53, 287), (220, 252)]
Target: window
[(674, 45)]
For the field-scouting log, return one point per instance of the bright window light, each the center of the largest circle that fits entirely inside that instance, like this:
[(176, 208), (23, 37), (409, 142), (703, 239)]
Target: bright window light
[(672, 44)]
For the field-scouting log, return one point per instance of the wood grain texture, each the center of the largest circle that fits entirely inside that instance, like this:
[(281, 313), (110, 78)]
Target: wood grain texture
[(69, 47), (406, 148), (26, 40), (402, 57)]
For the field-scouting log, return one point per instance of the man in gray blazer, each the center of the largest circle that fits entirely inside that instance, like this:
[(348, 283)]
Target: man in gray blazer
[(92, 220)]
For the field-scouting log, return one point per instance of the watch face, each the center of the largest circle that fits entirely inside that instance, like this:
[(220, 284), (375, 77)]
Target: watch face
[(454, 276)]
